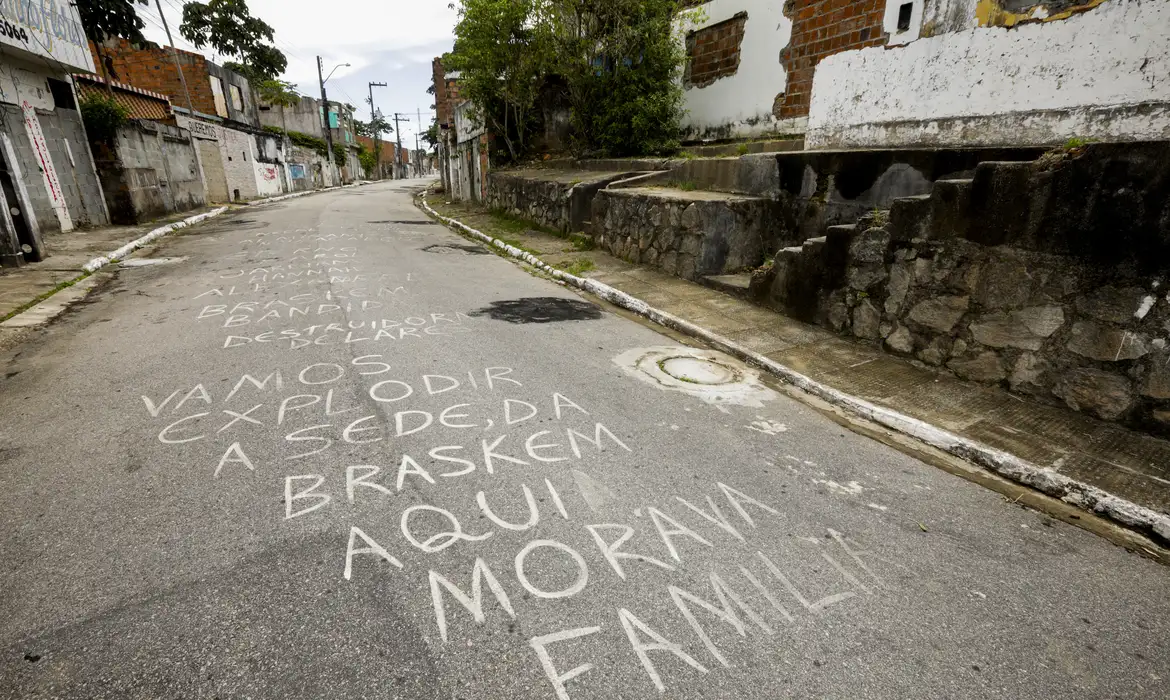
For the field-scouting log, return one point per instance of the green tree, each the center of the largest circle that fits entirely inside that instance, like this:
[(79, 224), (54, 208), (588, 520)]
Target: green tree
[(110, 19), (617, 61), (502, 53), (621, 61), (368, 160), (378, 125), (431, 135), (229, 28), (279, 93)]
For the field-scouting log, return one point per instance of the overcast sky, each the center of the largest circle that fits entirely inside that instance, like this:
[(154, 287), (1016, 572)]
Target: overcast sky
[(386, 41)]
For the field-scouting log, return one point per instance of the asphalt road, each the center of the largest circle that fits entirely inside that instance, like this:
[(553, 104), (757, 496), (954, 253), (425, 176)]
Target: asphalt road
[(328, 449)]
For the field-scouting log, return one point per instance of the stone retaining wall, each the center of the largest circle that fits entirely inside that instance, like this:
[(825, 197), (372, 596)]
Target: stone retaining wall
[(689, 234), (1070, 323), (557, 199)]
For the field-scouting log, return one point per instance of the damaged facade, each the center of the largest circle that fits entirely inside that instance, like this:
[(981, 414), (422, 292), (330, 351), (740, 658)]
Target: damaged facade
[(877, 73), (47, 174)]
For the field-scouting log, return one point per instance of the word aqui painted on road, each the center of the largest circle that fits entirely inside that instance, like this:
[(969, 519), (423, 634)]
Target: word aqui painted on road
[(490, 501)]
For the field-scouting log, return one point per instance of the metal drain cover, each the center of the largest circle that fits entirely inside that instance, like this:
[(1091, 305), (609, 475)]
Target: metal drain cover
[(709, 375)]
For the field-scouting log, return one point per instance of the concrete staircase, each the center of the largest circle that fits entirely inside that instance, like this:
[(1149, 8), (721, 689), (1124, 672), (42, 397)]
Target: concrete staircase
[(800, 275)]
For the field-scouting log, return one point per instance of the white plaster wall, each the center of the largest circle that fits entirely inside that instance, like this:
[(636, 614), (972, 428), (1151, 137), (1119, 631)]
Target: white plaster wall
[(268, 179), (949, 15), (1102, 74), (890, 21), (741, 103), (238, 153)]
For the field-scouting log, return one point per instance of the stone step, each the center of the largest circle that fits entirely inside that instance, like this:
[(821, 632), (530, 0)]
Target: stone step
[(736, 285), (742, 148), (910, 217), (836, 254), (950, 202)]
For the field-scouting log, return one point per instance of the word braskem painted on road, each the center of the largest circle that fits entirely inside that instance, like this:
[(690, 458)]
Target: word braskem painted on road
[(511, 464)]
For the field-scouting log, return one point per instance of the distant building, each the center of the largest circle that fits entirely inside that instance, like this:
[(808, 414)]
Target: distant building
[(386, 155), (47, 174), (239, 161)]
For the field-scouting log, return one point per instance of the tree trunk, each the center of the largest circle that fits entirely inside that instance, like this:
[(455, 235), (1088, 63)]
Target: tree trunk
[(105, 72)]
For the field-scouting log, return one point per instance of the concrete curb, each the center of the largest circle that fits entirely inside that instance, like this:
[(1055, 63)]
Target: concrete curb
[(1085, 496), (100, 262)]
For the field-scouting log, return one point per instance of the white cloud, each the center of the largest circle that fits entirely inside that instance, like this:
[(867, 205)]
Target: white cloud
[(384, 41)]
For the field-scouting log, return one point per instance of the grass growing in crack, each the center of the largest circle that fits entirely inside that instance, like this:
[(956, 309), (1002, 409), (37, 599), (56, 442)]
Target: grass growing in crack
[(687, 186), (511, 223), (583, 244), (579, 266), (508, 222), (517, 244), (45, 295)]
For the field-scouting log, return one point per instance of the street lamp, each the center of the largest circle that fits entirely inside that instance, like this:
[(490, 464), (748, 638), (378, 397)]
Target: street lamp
[(325, 108), (339, 65)]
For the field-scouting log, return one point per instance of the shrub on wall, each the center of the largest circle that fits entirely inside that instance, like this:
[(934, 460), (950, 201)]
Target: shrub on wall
[(301, 139), (103, 116)]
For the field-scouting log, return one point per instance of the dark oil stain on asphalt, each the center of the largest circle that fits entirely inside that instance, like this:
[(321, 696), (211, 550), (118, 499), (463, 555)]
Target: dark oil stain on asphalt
[(540, 310), (449, 248)]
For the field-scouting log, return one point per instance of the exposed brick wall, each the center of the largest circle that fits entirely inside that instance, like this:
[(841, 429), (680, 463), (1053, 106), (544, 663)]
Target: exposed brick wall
[(822, 28), (714, 51), (387, 148), (446, 93), (154, 70), (440, 84)]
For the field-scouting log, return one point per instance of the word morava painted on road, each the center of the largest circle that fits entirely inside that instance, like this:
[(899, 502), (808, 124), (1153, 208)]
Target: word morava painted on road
[(430, 468)]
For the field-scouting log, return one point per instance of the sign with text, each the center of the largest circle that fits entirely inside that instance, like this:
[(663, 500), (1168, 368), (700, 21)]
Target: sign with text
[(46, 28)]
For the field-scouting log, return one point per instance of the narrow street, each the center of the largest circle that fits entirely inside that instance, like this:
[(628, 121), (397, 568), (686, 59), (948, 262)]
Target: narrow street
[(327, 448)]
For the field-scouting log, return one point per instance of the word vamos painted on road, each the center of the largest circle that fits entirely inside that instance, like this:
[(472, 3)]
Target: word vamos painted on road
[(490, 501), (461, 423)]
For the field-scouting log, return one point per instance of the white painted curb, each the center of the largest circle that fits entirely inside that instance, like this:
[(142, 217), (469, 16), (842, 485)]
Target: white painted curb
[(1042, 479), (100, 262)]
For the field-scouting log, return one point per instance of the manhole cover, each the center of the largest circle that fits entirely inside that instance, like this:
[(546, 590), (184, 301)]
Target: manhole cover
[(709, 375), (697, 370)]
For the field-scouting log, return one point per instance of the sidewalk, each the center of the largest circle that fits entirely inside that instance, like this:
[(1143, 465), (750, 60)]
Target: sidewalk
[(1126, 464), (24, 290), (68, 252)]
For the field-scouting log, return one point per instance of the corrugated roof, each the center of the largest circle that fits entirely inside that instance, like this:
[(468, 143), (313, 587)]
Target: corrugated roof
[(142, 104)]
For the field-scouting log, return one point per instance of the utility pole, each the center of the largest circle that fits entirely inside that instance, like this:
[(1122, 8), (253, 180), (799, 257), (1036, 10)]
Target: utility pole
[(186, 93), (377, 131), (175, 57), (398, 136), (325, 116), (418, 168)]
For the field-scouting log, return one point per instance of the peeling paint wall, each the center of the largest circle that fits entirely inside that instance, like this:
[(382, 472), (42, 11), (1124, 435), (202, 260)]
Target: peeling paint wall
[(740, 105), (1101, 70)]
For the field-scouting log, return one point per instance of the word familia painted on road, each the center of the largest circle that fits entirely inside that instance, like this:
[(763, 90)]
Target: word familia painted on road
[(526, 492)]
